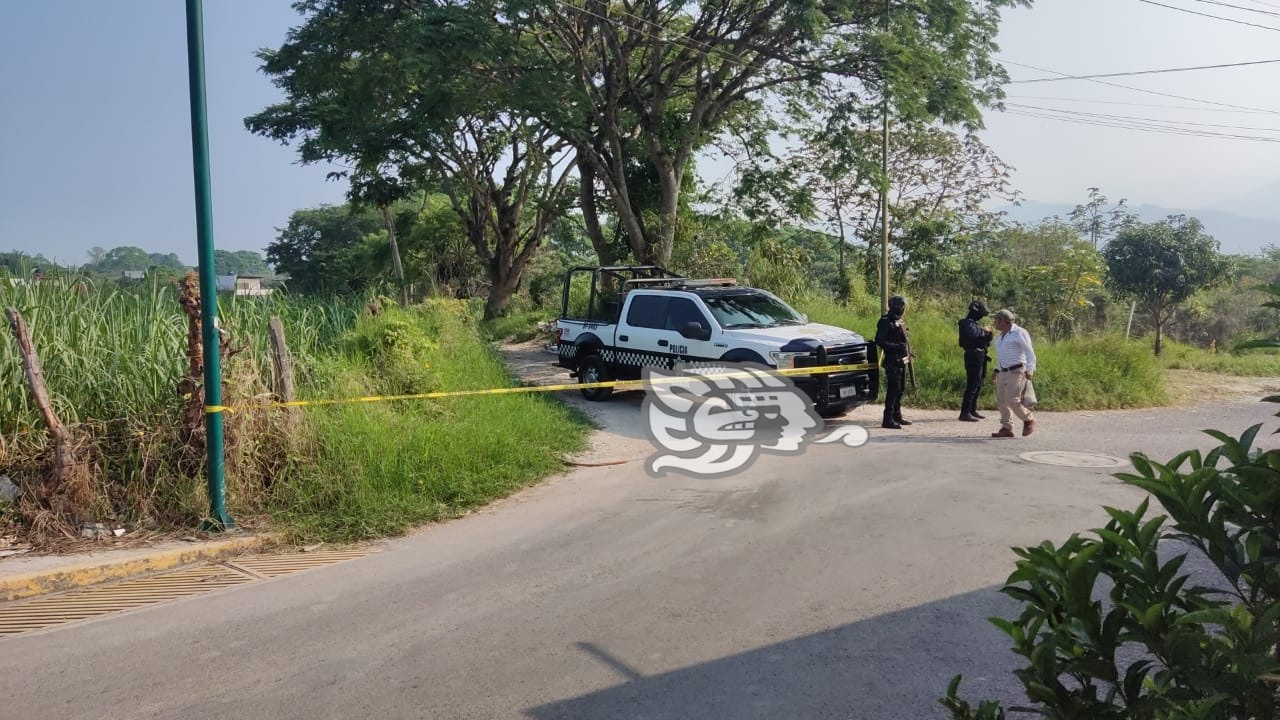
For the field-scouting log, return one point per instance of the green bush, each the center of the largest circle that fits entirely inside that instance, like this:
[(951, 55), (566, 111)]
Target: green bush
[(518, 326), (395, 348), (1167, 642)]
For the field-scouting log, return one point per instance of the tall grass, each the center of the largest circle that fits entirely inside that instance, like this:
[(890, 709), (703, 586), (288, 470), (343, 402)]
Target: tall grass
[(379, 468), (106, 351), (1086, 373), (518, 326), (1255, 363), (114, 351)]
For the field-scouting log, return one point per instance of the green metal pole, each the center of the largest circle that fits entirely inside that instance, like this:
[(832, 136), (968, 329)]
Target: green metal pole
[(884, 188), (884, 209), (218, 519)]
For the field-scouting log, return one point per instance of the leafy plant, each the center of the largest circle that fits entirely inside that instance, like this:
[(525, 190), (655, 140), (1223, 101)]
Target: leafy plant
[(1274, 291), (1116, 626), (1161, 265)]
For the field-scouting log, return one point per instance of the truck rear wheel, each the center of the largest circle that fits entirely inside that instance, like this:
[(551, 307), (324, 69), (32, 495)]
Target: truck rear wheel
[(593, 370)]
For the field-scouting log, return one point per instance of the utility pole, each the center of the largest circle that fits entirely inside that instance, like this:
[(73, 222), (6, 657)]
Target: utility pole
[(218, 519), (884, 182)]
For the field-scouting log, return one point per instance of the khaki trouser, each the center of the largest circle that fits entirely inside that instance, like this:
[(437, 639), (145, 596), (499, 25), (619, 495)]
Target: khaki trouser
[(1009, 386)]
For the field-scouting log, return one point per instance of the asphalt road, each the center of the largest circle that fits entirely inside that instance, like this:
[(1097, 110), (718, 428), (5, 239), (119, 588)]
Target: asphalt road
[(846, 583)]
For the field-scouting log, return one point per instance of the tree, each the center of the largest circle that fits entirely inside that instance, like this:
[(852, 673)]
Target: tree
[(438, 251), (672, 76), (119, 259), (1095, 222), (411, 91), (1162, 264), (21, 264), (938, 179), (166, 261), (239, 262), (322, 249)]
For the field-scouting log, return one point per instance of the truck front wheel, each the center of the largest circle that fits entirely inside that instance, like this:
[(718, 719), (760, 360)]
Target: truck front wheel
[(593, 370)]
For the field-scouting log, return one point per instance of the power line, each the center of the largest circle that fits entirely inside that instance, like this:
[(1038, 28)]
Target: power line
[(1162, 121), (1136, 104), (1137, 127), (1149, 92), (1240, 7), (1215, 17), (1145, 127), (1121, 121), (1144, 72)]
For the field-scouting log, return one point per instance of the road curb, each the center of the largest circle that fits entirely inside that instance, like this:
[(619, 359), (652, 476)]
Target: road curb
[(83, 573)]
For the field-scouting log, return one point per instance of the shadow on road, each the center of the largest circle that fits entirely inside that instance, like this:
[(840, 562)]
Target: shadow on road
[(891, 667)]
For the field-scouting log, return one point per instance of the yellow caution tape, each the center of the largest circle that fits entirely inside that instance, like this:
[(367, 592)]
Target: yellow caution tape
[(616, 384)]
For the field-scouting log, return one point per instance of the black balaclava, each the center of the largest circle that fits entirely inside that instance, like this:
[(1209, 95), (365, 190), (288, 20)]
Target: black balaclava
[(977, 310)]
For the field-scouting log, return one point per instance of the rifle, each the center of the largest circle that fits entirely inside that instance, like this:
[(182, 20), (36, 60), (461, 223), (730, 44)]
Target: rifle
[(911, 365)]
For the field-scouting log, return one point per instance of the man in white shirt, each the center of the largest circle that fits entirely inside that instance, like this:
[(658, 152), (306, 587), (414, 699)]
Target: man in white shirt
[(1015, 364)]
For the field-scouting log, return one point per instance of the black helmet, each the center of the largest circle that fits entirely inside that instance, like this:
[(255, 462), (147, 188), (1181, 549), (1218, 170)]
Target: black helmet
[(978, 310), (897, 302)]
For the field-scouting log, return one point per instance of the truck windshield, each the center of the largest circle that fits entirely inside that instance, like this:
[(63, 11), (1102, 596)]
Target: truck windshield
[(751, 310)]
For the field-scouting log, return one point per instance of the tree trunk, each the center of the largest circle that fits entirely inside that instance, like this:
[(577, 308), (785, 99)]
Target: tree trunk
[(610, 168), (505, 281), (66, 489), (1159, 336), (396, 265), (660, 247), (605, 252)]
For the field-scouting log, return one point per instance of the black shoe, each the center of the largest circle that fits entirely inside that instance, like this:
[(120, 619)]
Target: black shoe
[(969, 417), (900, 421), (977, 414), (890, 425)]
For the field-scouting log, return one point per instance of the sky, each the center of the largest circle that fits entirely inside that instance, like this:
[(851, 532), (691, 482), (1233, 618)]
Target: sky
[(95, 135)]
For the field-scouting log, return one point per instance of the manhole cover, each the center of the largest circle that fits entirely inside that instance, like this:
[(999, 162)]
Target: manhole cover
[(1072, 459)]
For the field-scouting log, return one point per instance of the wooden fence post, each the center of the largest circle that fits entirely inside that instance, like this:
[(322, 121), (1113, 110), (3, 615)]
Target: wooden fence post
[(281, 361), (63, 481)]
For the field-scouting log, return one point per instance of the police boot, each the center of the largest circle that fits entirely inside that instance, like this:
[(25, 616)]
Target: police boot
[(972, 410), (890, 423), (901, 421)]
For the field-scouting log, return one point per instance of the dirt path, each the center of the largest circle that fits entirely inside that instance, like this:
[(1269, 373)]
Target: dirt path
[(1188, 388)]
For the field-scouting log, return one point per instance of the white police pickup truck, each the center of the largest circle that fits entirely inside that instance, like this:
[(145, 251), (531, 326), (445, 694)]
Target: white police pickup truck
[(615, 321)]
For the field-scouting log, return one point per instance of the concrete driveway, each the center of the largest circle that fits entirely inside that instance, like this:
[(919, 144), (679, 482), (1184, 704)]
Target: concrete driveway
[(846, 583)]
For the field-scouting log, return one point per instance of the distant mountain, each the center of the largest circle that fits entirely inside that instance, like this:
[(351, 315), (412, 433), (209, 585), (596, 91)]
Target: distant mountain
[(1237, 234), (1263, 202)]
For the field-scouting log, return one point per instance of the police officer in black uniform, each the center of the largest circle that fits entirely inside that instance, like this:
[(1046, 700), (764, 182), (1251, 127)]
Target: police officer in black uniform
[(975, 340), (891, 336)]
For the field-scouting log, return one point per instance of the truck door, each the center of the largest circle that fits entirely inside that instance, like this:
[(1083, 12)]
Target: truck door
[(650, 331), (641, 327), (681, 312)]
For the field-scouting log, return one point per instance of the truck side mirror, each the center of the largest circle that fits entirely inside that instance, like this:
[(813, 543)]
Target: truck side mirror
[(696, 331)]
